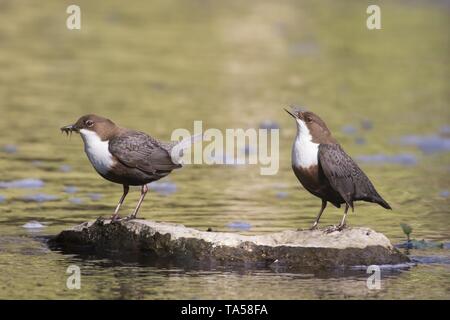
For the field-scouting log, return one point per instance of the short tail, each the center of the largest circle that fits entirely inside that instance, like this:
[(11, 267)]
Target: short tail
[(176, 154)]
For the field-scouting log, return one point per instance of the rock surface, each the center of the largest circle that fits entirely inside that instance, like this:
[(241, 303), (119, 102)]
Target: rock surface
[(292, 249)]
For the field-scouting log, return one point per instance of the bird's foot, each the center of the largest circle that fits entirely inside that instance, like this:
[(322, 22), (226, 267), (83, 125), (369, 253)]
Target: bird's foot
[(115, 218), (331, 229), (314, 227), (130, 217)]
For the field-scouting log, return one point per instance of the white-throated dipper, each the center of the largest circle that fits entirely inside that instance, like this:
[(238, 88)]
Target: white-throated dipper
[(325, 170), (125, 156)]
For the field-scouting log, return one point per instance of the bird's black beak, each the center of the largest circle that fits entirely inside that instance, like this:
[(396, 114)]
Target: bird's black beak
[(293, 116), (69, 129)]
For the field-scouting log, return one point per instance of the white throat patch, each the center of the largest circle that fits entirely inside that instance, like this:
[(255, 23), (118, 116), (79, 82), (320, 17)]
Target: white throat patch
[(304, 152), (97, 151)]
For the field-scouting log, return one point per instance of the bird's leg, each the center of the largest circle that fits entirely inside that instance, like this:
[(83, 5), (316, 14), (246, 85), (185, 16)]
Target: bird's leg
[(324, 205), (116, 212), (342, 224), (144, 190)]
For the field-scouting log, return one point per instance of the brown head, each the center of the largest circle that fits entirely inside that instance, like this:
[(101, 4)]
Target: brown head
[(104, 128), (308, 123)]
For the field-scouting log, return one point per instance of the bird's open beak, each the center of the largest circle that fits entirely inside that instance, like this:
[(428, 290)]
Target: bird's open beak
[(69, 129), (293, 116)]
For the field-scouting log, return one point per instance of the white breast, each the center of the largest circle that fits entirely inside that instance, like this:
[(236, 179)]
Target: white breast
[(304, 151), (97, 151)]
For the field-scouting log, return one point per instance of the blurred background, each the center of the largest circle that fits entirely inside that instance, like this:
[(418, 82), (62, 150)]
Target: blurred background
[(159, 65)]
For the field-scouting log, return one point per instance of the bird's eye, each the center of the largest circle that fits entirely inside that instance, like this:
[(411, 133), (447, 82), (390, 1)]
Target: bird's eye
[(308, 119), (89, 123)]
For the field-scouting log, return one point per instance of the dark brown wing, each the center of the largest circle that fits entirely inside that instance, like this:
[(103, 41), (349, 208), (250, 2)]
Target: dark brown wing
[(346, 177), (138, 150)]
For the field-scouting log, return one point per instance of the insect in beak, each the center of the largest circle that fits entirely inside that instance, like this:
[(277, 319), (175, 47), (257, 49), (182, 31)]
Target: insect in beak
[(69, 129)]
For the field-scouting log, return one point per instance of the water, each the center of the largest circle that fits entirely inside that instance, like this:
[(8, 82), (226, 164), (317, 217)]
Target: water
[(161, 65)]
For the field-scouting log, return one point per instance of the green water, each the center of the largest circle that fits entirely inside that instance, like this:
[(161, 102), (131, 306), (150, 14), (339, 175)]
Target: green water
[(159, 65)]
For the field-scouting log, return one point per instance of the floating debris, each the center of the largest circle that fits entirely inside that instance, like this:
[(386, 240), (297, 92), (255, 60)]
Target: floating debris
[(163, 188), (349, 129), (420, 245), (431, 259), (22, 184), (427, 144), (444, 193), (70, 189), (386, 266), (360, 140), (39, 197), (33, 225), (76, 200), (366, 124), (95, 196), (445, 131), (65, 168), (282, 194), (240, 225), (9, 148), (269, 124), (403, 159)]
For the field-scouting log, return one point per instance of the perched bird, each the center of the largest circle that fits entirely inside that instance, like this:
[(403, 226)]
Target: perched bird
[(125, 156), (325, 170)]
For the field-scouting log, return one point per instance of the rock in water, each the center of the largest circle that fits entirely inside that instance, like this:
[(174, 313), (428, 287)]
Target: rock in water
[(33, 225), (22, 184), (292, 249)]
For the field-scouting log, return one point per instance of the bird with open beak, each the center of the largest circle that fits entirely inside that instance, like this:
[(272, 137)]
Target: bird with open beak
[(325, 170)]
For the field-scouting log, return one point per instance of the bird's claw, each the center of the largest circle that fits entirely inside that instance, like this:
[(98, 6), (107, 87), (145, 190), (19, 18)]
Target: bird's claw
[(339, 227), (115, 218), (331, 229)]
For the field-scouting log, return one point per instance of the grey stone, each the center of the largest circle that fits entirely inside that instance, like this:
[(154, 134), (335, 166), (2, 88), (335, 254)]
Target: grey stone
[(291, 249)]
